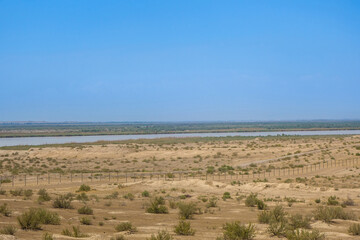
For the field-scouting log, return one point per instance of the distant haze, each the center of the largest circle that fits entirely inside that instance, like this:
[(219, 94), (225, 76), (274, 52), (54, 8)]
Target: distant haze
[(179, 60)]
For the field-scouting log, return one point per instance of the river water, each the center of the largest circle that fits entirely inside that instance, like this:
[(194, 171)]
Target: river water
[(82, 139)]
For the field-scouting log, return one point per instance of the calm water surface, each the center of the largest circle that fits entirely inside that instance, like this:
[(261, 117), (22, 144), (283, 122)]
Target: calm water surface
[(81, 139)]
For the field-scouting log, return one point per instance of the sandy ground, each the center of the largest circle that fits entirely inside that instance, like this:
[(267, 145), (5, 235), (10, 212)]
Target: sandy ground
[(342, 182)]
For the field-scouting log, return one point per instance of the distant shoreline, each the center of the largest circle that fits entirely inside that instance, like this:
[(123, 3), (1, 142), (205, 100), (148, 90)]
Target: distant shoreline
[(70, 134)]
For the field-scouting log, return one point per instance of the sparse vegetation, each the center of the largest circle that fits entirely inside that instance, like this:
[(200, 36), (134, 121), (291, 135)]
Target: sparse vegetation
[(184, 228), (157, 206), (161, 235), (63, 201), (85, 210), (74, 233), (238, 231), (125, 226), (8, 230), (354, 229)]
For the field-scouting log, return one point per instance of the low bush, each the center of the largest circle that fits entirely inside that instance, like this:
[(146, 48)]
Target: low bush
[(63, 201), (43, 196), (114, 195), (277, 228), (327, 214), (85, 221), (4, 210), (304, 235), (129, 196), (17, 192), (332, 201), (47, 217), (264, 217), (85, 210), (47, 236), (125, 226), (173, 204), (354, 229), (82, 197), (184, 228), (28, 193), (226, 195), (145, 194), (32, 219), (238, 231), (187, 210), (261, 205), (251, 200), (212, 203), (299, 221), (161, 235), (157, 206), (74, 233), (84, 188), (8, 230)]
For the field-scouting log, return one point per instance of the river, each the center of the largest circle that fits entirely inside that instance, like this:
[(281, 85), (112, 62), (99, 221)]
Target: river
[(14, 141)]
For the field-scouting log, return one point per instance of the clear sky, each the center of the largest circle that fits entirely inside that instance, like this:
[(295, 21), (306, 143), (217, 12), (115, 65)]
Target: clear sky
[(181, 60)]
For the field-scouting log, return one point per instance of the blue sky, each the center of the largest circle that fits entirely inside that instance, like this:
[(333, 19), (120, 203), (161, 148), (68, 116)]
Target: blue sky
[(179, 60)]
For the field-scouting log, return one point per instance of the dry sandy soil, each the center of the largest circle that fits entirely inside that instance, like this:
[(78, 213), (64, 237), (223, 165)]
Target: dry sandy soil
[(296, 194)]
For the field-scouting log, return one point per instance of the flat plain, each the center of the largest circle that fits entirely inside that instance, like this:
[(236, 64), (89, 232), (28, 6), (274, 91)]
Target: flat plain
[(260, 178)]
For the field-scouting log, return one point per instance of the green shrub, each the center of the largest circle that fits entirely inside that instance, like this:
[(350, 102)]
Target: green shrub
[(145, 194), (161, 235), (85, 221), (212, 202), (17, 192), (129, 196), (298, 221), (304, 235), (264, 217), (317, 200), (251, 200), (237, 231), (27, 193), (63, 201), (43, 196), (4, 210), (261, 205), (84, 188), (332, 201), (47, 236), (125, 226), (29, 220), (173, 204), (187, 210), (278, 214), (47, 217), (85, 210), (74, 233), (157, 206), (354, 229), (327, 214), (114, 195), (184, 228), (226, 195), (82, 197), (277, 228), (8, 230)]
